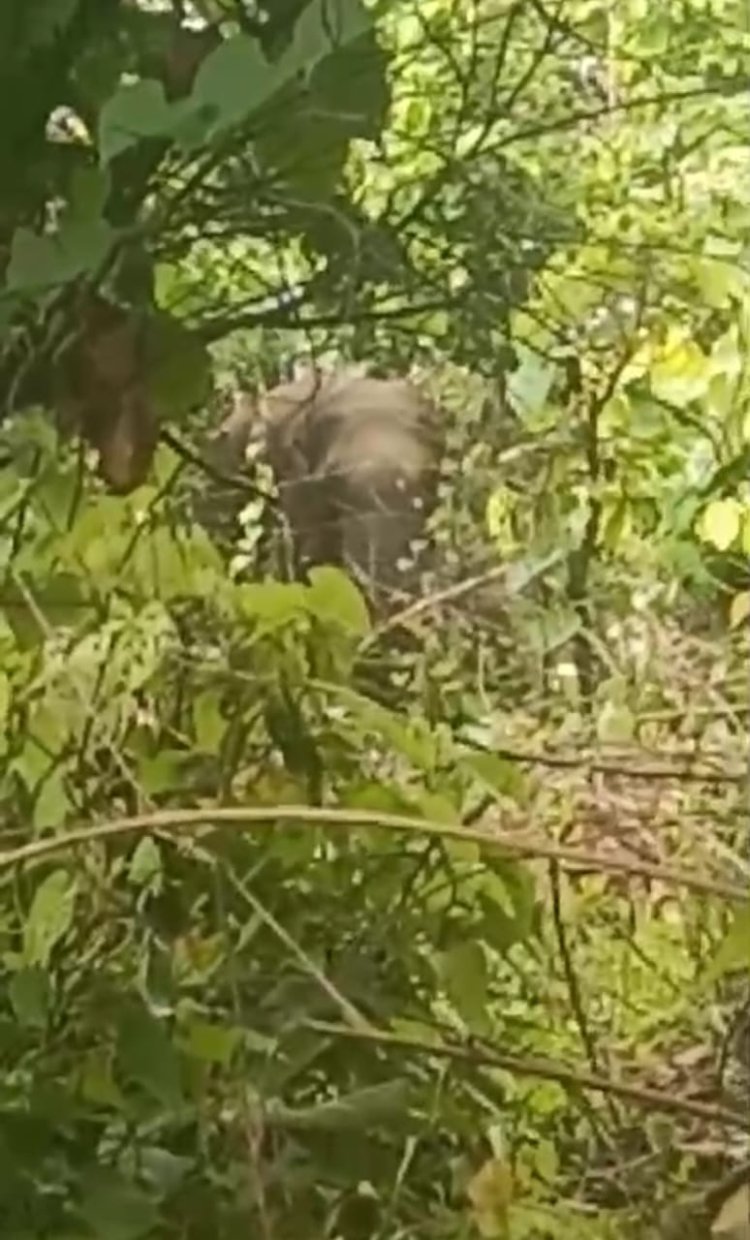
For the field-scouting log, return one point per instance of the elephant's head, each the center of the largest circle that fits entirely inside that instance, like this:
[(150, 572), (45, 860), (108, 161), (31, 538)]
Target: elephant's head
[(356, 461)]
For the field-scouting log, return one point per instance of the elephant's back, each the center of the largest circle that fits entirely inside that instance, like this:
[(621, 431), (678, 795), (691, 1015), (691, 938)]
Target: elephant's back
[(352, 422)]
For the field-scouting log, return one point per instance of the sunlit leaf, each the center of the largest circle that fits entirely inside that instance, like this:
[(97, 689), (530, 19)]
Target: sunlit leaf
[(739, 611), (333, 597), (682, 374), (52, 802), (209, 1042), (733, 952), (721, 522)]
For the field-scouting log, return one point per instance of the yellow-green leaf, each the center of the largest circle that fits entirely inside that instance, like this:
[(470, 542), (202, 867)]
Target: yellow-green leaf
[(734, 950), (740, 609), (720, 523)]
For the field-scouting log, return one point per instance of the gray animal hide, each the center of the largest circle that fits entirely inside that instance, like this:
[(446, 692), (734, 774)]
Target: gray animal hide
[(356, 461)]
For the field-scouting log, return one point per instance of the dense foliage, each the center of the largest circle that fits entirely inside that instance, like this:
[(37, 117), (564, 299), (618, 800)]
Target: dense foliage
[(314, 925)]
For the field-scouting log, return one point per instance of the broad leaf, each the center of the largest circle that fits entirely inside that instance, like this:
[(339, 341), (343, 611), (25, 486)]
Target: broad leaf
[(137, 110), (50, 917)]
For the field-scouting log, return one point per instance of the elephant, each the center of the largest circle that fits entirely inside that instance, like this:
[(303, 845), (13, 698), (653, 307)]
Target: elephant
[(356, 461)]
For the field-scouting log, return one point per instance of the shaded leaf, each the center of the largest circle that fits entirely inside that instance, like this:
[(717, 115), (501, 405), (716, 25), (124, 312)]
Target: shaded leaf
[(235, 79), (30, 995), (136, 110), (463, 971), (114, 1208), (145, 869), (361, 1109), (146, 1055), (43, 262), (50, 917)]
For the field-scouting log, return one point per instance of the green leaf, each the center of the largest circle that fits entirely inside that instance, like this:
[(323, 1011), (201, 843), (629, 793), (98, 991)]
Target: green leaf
[(682, 374), (146, 869), (720, 523), (96, 1083), (52, 803), (739, 611), (235, 79), (463, 971), (359, 1110), (146, 1055), (719, 280), (162, 1169), (43, 262), (178, 368), (210, 1043), (164, 772), (272, 604), (546, 1161), (496, 774), (136, 110), (114, 1208), (46, 20), (5, 698), (333, 598), (208, 722), (88, 192), (50, 917), (507, 896), (30, 994), (733, 952), (322, 28)]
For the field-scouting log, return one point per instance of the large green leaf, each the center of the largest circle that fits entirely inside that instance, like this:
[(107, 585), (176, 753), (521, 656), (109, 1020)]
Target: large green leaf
[(38, 262), (137, 110), (146, 1055), (50, 917), (236, 79)]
